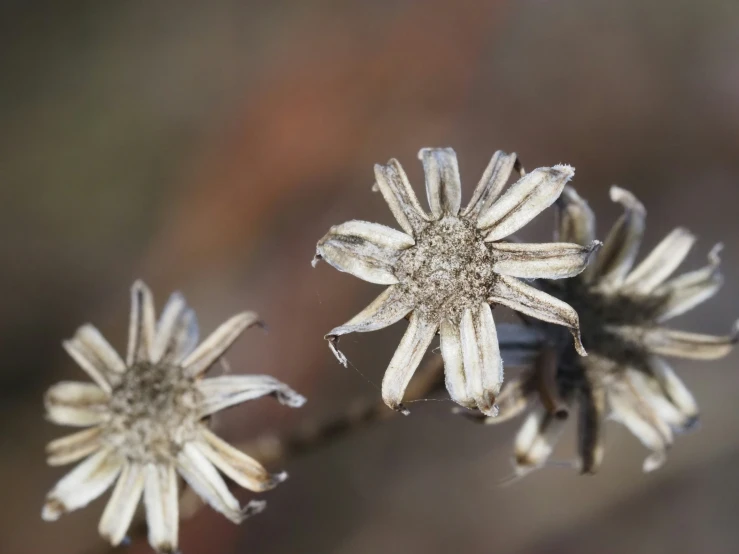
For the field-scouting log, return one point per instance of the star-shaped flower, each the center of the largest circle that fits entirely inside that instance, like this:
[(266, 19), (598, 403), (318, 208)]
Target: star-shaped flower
[(622, 310), (145, 422), (447, 267)]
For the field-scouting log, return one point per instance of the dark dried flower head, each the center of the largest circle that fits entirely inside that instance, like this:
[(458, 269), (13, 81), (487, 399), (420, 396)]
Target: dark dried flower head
[(622, 310), (145, 422), (446, 268)]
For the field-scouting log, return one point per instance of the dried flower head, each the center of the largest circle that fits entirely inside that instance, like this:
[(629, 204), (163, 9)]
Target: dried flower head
[(447, 267), (145, 422), (622, 310)]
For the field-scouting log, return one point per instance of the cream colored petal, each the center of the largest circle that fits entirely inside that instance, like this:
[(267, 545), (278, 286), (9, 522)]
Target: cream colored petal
[(514, 398), (629, 408), (223, 392), (95, 355), (650, 391), (591, 415), (661, 262), (454, 376), (76, 404), (443, 186), (675, 390), (83, 484), (366, 250), (575, 219), (205, 480), (162, 510), (141, 330), (388, 308), (405, 361), (122, 505), (176, 333), (621, 247), (398, 193), (536, 440), (483, 367), (492, 183), (242, 469), (556, 260), (523, 201), (685, 292), (216, 345), (524, 298), (679, 344), (74, 447)]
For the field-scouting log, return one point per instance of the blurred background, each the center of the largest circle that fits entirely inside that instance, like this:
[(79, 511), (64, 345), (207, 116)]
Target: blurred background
[(206, 146)]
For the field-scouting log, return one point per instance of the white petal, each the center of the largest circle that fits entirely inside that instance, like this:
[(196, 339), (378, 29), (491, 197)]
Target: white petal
[(74, 447), (122, 505), (679, 344), (541, 261), (524, 298), (398, 193), (95, 355), (162, 511), (685, 292), (674, 388), (388, 308), (229, 390), (215, 346), (405, 361), (575, 219), (482, 364), (176, 333), (366, 250), (492, 183), (76, 404), (536, 440), (83, 484), (242, 469), (620, 249), (443, 186), (141, 329), (454, 377), (204, 479), (627, 408), (524, 200), (661, 262)]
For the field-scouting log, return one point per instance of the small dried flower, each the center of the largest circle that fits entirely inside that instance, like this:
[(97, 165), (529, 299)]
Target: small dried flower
[(622, 310), (146, 422), (447, 267)]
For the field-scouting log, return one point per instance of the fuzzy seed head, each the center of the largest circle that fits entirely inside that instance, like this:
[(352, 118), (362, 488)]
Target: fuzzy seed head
[(448, 270), (153, 412)]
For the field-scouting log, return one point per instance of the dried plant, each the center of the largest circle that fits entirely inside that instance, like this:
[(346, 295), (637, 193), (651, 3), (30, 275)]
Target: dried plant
[(146, 421), (447, 267), (622, 310)]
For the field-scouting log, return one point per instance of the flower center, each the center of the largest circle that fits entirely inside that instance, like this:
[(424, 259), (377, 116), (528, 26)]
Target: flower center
[(154, 411), (448, 270)]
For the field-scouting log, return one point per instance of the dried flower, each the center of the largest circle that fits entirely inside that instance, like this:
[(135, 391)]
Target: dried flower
[(447, 267), (145, 421), (622, 310)]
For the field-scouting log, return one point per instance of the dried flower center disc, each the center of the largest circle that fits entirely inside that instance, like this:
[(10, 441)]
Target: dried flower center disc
[(154, 411), (448, 270)]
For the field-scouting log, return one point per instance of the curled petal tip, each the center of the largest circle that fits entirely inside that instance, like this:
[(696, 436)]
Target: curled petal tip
[(317, 258), (566, 169)]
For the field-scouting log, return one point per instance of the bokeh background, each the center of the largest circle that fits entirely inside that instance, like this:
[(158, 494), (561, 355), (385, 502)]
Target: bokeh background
[(206, 146)]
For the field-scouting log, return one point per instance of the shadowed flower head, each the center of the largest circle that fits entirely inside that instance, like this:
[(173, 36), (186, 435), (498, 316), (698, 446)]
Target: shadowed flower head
[(446, 268), (622, 310), (145, 422)]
